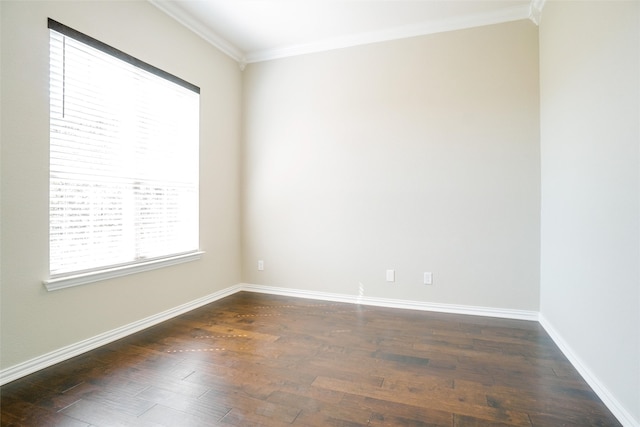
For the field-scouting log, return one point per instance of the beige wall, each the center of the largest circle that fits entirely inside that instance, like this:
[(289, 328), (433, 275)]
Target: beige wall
[(33, 320), (590, 118), (415, 155)]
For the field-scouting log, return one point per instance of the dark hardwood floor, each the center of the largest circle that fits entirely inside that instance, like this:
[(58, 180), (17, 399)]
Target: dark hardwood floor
[(262, 360)]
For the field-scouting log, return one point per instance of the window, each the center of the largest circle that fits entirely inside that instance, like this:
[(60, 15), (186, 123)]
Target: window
[(124, 148)]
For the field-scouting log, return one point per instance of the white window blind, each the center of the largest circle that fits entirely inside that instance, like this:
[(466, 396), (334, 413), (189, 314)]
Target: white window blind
[(124, 147)]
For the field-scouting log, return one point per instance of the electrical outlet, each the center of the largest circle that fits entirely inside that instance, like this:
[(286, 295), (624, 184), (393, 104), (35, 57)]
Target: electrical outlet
[(391, 276), (260, 265), (428, 278)]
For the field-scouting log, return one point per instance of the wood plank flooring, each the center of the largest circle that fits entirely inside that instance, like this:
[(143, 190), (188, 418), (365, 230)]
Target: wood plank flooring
[(262, 360)]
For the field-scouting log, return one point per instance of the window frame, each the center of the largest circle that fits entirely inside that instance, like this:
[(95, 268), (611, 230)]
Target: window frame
[(65, 280)]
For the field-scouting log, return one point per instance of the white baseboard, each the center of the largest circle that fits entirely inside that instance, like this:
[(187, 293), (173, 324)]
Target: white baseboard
[(603, 393), (30, 366), (22, 369), (396, 303), (614, 406)]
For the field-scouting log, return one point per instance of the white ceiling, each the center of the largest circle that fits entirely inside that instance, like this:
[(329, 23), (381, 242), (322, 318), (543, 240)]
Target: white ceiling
[(259, 30)]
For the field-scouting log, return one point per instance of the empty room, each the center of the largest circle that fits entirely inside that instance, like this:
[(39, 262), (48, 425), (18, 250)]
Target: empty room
[(320, 213)]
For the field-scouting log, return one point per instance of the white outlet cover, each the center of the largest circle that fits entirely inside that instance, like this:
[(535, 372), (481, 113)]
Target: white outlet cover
[(428, 278), (391, 275)]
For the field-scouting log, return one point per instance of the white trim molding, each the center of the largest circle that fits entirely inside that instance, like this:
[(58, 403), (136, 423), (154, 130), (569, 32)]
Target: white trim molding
[(530, 11), (30, 366), (396, 303), (124, 270), (22, 369), (471, 21), (535, 11), (200, 29), (625, 418)]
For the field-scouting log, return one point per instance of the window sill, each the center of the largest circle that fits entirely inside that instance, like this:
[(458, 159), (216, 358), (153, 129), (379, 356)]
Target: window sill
[(109, 273)]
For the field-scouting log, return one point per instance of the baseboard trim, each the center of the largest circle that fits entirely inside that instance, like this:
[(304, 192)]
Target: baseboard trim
[(607, 398), (23, 369), (30, 366), (49, 359), (396, 303), (625, 418)]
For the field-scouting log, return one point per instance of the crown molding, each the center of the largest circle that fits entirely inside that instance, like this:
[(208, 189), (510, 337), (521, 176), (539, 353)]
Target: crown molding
[(171, 9), (478, 20), (535, 12), (531, 11)]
